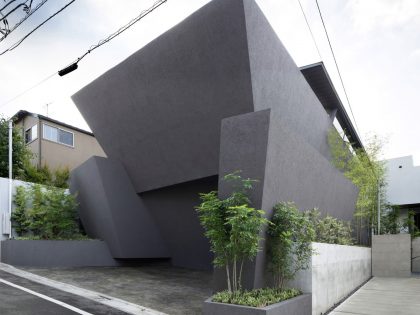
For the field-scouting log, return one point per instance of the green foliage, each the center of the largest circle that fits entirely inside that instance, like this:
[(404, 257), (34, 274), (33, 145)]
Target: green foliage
[(45, 213), (366, 170), (43, 175), (232, 227), (22, 167), (257, 297), (329, 229), (19, 219), (410, 225), (390, 220), (21, 155), (289, 244)]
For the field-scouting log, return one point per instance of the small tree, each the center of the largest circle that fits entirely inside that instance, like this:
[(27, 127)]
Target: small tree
[(232, 227), (289, 247), (366, 170)]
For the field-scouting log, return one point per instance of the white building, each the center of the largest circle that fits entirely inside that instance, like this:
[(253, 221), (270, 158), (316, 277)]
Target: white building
[(403, 188)]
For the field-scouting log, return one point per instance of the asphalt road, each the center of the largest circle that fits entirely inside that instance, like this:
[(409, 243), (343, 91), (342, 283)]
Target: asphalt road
[(19, 296)]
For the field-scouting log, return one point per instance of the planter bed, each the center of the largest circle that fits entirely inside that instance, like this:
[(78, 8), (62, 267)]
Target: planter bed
[(300, 305), (59, 253)]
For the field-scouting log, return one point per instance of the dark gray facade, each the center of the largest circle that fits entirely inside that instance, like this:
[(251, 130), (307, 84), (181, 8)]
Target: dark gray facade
[(215, 94)]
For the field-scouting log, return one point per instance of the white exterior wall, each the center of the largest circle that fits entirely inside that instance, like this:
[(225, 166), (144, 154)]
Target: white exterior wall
[(335, 271), (403, 183), (4, 202)]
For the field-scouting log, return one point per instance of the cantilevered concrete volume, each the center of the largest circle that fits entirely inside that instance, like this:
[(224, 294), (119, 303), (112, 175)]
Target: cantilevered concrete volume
[(215, 94)]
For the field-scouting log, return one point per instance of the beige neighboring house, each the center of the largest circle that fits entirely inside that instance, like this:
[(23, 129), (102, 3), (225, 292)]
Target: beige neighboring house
[(55, 143)]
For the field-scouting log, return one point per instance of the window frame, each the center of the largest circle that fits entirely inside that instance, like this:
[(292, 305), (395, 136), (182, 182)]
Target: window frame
[(58, 137), (32, 139)]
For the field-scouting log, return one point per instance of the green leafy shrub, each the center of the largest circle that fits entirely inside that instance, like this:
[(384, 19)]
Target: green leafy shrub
[(256, 298), (329, 229), (45, 212), (232, 227), (390, 221), (45, 176), (289, 243), (410, 226), (20, 154)]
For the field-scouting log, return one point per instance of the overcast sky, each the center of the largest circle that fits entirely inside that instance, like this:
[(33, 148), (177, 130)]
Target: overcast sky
[(377, 45)]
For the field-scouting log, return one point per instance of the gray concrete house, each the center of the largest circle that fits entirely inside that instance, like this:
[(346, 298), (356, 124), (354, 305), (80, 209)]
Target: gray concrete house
[(215, 94), (55, 143)]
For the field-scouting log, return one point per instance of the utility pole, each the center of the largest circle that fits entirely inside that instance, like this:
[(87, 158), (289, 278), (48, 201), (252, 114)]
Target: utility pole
[(10, 175), (379, 208)]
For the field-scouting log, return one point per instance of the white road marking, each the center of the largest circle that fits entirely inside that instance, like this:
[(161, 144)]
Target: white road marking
[(108, 300), (42, 296)]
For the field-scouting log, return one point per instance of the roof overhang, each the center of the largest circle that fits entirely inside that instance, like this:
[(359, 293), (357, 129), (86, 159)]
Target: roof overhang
[(317, 76), (23, 113)]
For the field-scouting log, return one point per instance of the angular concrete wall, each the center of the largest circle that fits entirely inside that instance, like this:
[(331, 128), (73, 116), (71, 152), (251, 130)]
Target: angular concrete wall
[(111, 210), (391, 255), (278, 84), (171, 96), (335, 271), (215, 94), (288, 169)]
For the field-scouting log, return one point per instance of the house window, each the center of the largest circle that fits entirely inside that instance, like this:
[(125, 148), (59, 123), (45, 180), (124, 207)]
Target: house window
[(58, 135), (31, 134)]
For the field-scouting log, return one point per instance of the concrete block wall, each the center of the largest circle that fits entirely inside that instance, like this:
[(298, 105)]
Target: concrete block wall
[(391, 255), (334, 272), (415, 255)]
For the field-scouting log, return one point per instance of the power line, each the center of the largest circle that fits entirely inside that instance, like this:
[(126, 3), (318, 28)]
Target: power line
[(122, 29), (23, 4), (73, 65), (310, 30), (29, 89), (336, 64), (37, 7), (15, 45)]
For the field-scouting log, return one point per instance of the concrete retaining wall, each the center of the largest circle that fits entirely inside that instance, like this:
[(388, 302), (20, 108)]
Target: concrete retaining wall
[(391, 255), (415, 255), (335, 271), (56, 253)]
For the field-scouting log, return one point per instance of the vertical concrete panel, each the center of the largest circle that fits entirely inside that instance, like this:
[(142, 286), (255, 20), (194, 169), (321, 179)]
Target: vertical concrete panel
[(243, 147), (391, 255), (335, 271)]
